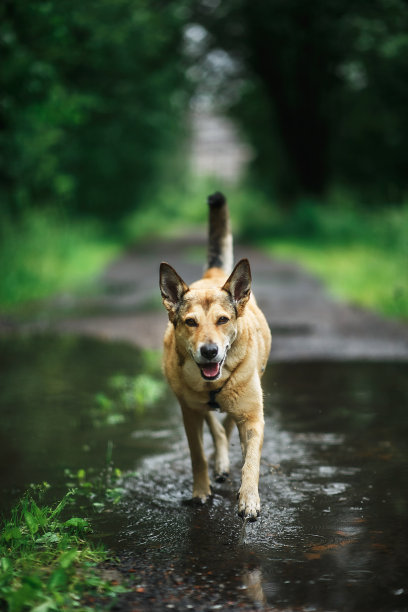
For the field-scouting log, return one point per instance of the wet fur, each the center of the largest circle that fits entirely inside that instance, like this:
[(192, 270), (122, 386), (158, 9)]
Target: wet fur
[(243, 343)]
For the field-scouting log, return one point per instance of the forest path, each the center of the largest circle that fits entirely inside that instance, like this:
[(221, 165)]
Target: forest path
[(306, 323)]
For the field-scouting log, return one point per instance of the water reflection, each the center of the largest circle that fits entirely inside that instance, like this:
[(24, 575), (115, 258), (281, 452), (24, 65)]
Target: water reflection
[(333, 529)]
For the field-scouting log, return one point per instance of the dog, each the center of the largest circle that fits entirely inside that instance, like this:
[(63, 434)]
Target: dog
[(216, 347)]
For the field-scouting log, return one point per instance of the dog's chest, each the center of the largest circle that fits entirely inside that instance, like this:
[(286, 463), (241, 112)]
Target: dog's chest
[(204, 400)]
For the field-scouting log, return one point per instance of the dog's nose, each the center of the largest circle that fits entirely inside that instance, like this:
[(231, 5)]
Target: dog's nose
[(209, 351)]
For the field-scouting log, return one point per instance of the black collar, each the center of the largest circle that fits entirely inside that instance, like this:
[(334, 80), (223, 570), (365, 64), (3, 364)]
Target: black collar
[(212, 403)]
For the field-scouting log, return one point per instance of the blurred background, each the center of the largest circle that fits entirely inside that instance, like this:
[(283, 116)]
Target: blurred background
[(118, 117)]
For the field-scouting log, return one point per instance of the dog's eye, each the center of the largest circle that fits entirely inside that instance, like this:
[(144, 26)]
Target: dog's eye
[(191, 322), (222, 320)]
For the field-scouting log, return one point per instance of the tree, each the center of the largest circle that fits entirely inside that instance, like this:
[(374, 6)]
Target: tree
[(322, 89), (93, 93)]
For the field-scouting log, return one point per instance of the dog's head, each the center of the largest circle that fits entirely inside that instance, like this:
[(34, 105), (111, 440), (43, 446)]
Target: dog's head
[(205, 319)]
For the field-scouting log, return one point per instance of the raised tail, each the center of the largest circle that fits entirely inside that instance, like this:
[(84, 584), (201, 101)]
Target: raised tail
[(220, 250)]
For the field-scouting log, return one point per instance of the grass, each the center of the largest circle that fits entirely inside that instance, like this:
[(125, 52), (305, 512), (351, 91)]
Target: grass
[(361, 256), (360, 253), (45, 253), (360, 274), (46, 561)]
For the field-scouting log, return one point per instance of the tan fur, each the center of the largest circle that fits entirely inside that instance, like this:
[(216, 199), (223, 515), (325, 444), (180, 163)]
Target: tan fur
[(246, 340)]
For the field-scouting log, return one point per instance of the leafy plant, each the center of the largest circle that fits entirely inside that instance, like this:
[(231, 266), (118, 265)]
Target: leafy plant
[(45, 560), (131, 394), (100, 488)]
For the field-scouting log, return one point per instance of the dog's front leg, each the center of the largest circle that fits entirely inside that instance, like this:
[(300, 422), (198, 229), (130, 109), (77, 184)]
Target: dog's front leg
[(193, 424), (251, 437)]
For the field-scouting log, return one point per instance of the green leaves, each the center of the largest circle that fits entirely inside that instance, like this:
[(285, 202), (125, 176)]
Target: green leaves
[(44, 564), (31, 522), (101, 488), (11, 533), (88, 134), (131, 394), (77, 524)]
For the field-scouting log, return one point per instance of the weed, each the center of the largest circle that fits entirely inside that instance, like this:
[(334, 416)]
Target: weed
[(128, 394), (44, 253), (45, 560), (101, 488)]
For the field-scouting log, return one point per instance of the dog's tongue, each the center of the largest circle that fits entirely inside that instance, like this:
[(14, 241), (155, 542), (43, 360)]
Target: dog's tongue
[(211, 369)]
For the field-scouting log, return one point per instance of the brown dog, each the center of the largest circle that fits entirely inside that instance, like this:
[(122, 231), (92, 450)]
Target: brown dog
[(215, 350)]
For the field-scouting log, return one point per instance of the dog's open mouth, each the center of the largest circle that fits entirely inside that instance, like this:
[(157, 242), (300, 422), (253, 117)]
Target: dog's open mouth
[(210, 371)]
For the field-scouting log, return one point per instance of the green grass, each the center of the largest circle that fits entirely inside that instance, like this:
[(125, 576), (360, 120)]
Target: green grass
[(361, 256), (45, 253), (360, 253), (129, 394), (360, 274), (46, 561)]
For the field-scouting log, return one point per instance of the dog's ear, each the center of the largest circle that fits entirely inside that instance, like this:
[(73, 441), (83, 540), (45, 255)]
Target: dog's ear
[(238, 285), (172, 289)]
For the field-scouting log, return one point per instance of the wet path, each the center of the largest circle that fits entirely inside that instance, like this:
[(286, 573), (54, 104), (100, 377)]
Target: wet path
[(333, 530), (306, 323)]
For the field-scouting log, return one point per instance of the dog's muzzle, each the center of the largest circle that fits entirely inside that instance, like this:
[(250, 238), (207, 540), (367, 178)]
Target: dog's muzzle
[(210, 361), (210, 371)]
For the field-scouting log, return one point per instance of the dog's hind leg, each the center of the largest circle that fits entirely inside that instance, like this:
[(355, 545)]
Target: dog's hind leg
[(228, 424), (193, 424), (220, 439)]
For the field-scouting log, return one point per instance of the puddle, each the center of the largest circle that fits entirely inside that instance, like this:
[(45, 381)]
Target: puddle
[(48, 399), (333, 530)]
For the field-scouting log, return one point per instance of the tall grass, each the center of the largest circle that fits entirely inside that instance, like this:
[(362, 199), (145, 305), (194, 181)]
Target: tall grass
[(46, 252), (361, 254), (47, 562)]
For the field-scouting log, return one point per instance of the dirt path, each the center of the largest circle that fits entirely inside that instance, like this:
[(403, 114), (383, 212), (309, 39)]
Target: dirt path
[(306, 323)]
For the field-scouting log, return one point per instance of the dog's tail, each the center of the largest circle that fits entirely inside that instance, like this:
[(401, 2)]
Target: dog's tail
[(220, 250)]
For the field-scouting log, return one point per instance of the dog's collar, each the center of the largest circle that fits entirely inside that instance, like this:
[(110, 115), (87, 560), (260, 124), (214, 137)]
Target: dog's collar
[(212, 403)]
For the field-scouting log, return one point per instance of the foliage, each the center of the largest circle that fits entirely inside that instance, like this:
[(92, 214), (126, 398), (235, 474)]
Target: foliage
[(130, 394), (361, 257), (173, 207), (93, 93), (361, 274), (319, 89), (100, 487), (44, 252), (365, 249), (46, 562)]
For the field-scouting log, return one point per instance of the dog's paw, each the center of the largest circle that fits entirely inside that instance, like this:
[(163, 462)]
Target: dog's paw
[(199, 501), (249, 505), (221, 477), (201, 495), (222, 466)]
